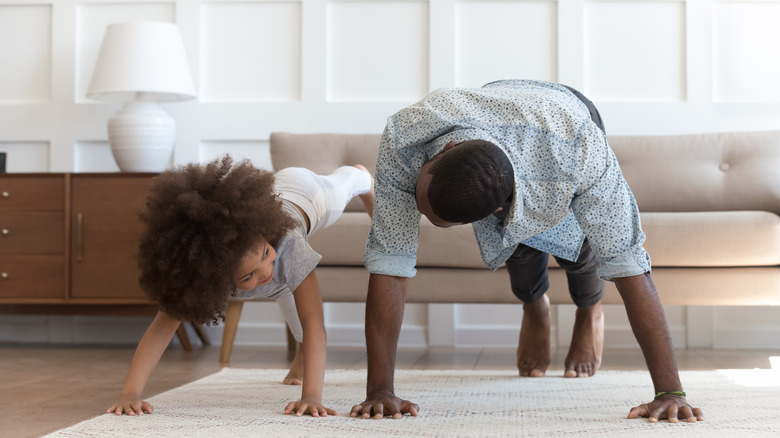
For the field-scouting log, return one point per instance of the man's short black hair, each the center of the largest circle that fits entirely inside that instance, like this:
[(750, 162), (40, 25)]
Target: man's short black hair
[(470, 181)]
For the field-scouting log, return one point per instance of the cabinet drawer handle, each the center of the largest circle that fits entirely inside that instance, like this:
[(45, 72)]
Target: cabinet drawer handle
[(79, 223), (6, 194), (5, 231), (4, 275)]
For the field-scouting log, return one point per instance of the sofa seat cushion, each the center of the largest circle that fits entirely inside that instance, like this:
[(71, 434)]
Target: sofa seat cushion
[(343, 244), (680, 239), (712, 239)]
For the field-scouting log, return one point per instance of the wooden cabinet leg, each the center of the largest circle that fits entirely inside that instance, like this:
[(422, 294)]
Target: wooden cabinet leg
[(292, 344), (202, 335), (232, 316), (181, 333)]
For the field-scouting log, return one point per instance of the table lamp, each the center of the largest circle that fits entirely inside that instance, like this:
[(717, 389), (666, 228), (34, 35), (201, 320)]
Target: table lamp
[(140, 64)]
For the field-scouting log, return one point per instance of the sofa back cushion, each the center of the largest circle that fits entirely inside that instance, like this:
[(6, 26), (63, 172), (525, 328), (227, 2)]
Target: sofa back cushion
[(706, 172)]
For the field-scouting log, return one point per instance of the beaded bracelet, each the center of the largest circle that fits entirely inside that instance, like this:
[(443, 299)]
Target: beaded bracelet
[(682, 393)]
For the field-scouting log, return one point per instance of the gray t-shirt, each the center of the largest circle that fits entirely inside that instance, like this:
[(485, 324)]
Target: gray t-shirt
[(295, 260)]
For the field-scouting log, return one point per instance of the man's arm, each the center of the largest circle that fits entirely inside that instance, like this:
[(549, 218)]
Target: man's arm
[(651, 330), (384, 315)]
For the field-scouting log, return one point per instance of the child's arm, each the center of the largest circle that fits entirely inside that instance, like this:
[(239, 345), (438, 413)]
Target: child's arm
[(147, 355), (308, 301)]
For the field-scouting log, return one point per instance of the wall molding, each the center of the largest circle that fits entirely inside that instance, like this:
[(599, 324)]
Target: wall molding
[(47, 124)]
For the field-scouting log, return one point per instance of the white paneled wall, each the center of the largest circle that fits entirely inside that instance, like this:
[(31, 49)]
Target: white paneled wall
[(29, 81), (744, 68), (652, 67), (250, 52), (635, 51), (377, 51), (505, 40)]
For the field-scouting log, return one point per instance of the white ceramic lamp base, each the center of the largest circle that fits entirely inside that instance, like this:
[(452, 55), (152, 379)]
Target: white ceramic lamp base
[(141, 136)]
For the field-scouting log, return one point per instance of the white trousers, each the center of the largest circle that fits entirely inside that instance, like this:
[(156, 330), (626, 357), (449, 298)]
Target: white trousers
[(322, 197)]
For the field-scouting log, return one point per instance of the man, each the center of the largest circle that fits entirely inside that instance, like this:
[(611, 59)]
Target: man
[(527, 163)]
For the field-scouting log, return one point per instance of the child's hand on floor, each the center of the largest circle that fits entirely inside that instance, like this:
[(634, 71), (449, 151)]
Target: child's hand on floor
[(308, 406), (130, 406)]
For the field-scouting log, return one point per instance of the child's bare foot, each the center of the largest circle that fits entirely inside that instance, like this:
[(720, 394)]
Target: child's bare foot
[(291, 379), (587, 342), (368, 197), (295, 376), (533, 349)]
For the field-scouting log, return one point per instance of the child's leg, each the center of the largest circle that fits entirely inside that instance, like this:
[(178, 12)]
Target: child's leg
[(323, 197), (339, 188), (295, 375), (287, 305), (368, 197)]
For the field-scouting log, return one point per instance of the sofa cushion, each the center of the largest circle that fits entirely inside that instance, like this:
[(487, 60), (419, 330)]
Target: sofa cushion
[(343, 243), (715, 238), (706, 172)]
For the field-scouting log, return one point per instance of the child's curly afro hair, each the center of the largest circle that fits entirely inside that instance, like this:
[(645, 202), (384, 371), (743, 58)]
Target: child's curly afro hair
[(200, 220)]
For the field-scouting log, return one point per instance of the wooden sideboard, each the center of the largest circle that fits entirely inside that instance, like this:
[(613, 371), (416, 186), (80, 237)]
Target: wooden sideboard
[(68, 243)]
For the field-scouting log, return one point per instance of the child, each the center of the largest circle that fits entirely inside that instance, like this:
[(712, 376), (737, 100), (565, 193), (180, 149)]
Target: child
[(220, 230)]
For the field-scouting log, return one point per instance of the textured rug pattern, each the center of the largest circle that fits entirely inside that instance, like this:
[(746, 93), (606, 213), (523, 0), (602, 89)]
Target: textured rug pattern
[(250, 403)]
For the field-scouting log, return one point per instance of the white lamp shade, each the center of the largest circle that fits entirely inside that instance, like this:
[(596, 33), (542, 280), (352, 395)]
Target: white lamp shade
[(142, 61)]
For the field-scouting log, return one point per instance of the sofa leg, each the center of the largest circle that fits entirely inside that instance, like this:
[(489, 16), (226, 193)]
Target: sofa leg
[(232, 316)]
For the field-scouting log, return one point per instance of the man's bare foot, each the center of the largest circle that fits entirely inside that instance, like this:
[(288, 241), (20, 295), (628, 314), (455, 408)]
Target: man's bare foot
[(295, 376), (533, 349), (368, 197), (587, 342)]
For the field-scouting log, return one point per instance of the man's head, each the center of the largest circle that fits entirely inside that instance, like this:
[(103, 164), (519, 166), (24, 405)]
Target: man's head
[(464, 183), (200, 224)]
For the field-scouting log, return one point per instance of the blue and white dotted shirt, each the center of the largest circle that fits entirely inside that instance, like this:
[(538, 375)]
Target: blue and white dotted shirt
[(568, 183)]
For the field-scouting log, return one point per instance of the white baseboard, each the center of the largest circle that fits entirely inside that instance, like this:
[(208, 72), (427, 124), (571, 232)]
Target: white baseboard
[(73, 329), (352, 335), (735, 338), (339, 335), (493, 336), (506, 336), (128, 331)]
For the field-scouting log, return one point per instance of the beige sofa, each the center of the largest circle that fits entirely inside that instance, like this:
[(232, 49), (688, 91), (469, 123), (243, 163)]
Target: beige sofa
[(709, 206)]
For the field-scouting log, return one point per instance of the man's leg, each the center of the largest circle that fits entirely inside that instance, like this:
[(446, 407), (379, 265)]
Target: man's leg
[(587, 290), (527, 269)]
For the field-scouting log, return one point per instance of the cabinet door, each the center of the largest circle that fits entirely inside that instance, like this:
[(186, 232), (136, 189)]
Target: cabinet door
[(104, 235)]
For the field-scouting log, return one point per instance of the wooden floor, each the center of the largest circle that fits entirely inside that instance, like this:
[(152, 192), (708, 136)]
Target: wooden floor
[(46, 388)]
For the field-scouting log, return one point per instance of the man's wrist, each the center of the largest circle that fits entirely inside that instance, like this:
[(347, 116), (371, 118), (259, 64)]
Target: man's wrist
[(376, 393)]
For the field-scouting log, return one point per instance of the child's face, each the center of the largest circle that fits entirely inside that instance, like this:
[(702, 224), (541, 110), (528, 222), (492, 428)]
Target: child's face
[(256, 268)]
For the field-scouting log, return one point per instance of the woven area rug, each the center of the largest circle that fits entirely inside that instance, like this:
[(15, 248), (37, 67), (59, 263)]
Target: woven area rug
[(249, 403)]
